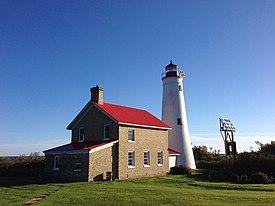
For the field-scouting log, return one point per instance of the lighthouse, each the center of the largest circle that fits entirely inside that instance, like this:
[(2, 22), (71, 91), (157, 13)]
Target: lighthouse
[(174, 114)]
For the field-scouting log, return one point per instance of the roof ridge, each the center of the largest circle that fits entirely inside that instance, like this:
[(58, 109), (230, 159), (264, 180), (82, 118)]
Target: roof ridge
[(125, 106)]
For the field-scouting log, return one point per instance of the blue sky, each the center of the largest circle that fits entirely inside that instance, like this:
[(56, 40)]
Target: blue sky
[(52, 52)]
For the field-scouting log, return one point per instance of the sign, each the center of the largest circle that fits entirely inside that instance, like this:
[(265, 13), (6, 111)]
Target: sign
[(226, 125)]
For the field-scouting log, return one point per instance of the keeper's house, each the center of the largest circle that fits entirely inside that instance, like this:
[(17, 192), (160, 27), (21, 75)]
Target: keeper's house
[(110, 142)]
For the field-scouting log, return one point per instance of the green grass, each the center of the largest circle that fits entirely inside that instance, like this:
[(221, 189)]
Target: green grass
[(166, 190), (17, 194)]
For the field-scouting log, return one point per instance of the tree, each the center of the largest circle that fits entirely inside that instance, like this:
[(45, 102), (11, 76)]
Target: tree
[(201, 153), (266, 148)]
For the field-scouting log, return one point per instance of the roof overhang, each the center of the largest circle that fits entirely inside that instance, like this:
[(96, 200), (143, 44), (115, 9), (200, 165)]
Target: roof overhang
[(69, 152), (104, 112), (170, 155), (145, 126), (110, 144)]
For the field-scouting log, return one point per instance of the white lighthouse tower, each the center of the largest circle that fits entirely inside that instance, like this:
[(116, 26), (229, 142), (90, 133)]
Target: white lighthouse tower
[(174, 114)]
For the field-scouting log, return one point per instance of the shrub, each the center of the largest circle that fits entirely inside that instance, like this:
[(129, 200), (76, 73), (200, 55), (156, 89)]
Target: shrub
[(246, 167), (261, 177), (202, 153), (22, 166), (219, 175), (180, 170), (266, 148), (243, 179)]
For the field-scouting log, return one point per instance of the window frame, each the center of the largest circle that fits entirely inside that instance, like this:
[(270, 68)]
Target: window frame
[(75, 167), (132, 159), (104, 137), (146, 159), (79, 135), (160, 158), (56, 163), (133, 135)]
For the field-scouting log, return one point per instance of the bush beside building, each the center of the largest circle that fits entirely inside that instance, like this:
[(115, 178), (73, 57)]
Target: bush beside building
[(246, 167), (27, 166)]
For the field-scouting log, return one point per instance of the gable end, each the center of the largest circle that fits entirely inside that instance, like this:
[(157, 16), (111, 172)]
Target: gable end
[(80, 115), (84, 111)]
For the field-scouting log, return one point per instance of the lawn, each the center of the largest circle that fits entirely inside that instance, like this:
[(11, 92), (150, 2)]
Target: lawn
[(166, 190), (16, 191)]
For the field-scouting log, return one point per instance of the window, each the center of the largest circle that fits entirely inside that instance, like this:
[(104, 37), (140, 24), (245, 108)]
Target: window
[(81, 134), (131, 159), (56, 163), (160, 158), (180, 88), (77, 167), (146, 158), (106, 132), (179, 122), (131, 135)]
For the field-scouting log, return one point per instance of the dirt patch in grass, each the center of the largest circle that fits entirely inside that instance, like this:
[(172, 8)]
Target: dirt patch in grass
[(41, 197)]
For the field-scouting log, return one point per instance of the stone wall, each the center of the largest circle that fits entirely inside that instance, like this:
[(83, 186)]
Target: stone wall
[(93, 123), (146, 139), (67, 166), (103, 161)]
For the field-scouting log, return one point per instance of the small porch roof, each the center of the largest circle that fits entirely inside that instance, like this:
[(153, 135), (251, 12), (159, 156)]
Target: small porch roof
[(173, 152), (80, 146)]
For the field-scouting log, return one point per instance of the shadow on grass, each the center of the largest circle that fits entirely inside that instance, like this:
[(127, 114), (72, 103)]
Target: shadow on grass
[(18, 181), (198, 175), (201, 180)]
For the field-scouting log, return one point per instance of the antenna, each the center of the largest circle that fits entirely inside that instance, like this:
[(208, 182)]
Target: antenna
[(228, 130)]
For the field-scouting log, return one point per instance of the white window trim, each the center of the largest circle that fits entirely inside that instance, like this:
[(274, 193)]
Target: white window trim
[(160, 165), (105, 125), (132, 134), (149, 162), (79, 140), (134, 162), (54, 163), (77, 170)]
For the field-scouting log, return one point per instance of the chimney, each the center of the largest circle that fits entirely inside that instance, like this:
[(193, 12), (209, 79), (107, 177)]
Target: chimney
[(97, 94)]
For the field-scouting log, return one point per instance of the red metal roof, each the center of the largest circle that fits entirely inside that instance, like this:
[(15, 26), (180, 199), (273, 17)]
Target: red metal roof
[(78, 146), (131, 115), (173, 152)]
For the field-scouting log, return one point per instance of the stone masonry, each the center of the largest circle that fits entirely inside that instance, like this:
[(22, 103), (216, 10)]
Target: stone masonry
[(146, 139), (67, 166), (94, 127), (101, 162)]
